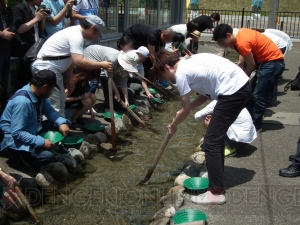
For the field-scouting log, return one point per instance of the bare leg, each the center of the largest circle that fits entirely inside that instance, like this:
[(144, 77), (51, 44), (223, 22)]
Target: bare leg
[(87, 104)]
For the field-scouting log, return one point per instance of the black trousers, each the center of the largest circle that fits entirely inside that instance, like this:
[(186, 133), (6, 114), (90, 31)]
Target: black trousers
[(296, 162), (225, 113)]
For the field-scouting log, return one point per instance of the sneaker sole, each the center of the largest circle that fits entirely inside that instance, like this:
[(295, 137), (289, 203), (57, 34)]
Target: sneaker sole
[(210, 203), (284, 175), (231, 155)]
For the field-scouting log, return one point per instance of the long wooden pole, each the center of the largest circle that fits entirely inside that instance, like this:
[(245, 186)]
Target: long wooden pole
[(156, 159), (133, 114), (112, 112)]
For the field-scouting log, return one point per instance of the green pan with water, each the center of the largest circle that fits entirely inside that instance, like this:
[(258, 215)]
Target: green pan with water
[(53, 136), (189, 215), (196, 183), (72, 141), (107, 115), (93, 127)]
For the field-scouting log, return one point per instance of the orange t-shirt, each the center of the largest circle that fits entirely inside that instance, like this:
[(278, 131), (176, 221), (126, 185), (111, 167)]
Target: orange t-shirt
[(262, 47)]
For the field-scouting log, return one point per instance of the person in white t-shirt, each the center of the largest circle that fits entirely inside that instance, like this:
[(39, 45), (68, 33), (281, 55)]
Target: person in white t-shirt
[(216, 78), (63, 50), (239, 134)]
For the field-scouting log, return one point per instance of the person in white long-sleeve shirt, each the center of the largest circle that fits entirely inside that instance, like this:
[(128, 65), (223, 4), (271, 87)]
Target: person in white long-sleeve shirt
[(239, 134)]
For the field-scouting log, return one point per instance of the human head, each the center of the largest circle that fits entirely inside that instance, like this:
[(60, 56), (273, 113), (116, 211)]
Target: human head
[(167, 35), (34, 2), (195, 36), (143, 53), (125, 44), (223, 36), (178, 37), (93, 28), (215, 17), (165, 65), (191, 26), (44, 81)]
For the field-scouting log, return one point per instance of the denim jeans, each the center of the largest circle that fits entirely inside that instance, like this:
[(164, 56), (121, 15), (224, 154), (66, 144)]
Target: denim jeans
[(4, 68), (37, 156), (93, 86), (267, 73)]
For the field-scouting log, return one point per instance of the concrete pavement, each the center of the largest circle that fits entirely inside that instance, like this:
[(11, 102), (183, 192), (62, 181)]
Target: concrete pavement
[(256, 194)]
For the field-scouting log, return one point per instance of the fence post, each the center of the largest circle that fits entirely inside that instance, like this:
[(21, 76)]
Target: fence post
[(281, 25), (243, 14)]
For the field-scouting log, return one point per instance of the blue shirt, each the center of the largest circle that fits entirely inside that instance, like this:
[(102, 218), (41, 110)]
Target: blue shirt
[(56, 6), (20, 122), (86, 8)]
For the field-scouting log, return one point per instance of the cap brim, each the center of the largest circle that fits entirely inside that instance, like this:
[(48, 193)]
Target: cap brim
[(126, 66), (141, 53)]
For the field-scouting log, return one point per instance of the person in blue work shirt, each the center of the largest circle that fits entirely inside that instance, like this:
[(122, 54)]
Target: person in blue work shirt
[(55, 21), (21, 121)]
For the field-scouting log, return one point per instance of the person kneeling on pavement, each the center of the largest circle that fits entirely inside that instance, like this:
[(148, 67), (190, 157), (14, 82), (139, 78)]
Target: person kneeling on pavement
[(80, 99), (21, 121), (241, 133)]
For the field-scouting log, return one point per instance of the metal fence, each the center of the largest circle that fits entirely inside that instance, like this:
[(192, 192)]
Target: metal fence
[(289, 22)]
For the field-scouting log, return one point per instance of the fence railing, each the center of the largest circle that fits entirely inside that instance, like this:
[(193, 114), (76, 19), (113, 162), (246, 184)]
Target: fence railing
[(289, 22)]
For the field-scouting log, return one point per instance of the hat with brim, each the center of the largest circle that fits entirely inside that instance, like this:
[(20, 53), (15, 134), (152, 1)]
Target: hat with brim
[(47, 77), (128, 61), (97, 22), (196, 34)]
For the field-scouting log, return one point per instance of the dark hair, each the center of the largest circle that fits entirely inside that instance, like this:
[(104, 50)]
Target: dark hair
[(125, 40), (176, 44), (178, 37), (35, 81), (83, 76), (164, 58), (85, 24), (191, 26), (221, 31), (216, 16)]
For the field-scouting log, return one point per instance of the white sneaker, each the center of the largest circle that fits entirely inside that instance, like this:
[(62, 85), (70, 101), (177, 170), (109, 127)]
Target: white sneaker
[(209, 199)]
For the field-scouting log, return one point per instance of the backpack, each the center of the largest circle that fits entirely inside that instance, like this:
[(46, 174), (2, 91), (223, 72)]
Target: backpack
[(294, 85)]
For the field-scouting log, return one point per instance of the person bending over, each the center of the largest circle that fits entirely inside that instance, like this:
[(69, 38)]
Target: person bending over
[(81, 100), (241, 133), (213, 77), (258, 52), (21, 121)]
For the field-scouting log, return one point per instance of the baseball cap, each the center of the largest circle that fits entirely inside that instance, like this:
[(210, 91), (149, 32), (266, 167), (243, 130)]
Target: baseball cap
[(97, 23), (143, 51), (129, 61), (47, 77)]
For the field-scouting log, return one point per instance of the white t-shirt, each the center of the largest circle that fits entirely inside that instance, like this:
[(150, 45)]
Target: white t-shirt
[(242, 129), (62, 43), (180, 28), (209, 75), (276, 39)]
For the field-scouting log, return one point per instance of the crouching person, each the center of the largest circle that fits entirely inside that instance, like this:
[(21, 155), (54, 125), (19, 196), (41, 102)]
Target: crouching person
[(241, 133), (216, 78), (21, 121)]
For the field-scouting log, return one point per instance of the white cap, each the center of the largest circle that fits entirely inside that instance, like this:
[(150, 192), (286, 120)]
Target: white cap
[(129, 61), (143, 51), (97, 22)]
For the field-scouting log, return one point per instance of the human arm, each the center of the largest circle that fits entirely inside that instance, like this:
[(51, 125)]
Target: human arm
[(75, 15), (69, 80), (151, 52), (249, 65), (240, 62), (145, 86), (54, 20), (8, 180), (85, 63), (205, 111), (186, 51), (24, 27), (125, 93), (116, 91), (6, 34), (212, 30)]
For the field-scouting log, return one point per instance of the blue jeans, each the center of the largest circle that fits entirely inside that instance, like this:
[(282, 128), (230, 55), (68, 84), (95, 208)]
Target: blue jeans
[(4, 68), (38, 156), (267, 74), (93, 86)]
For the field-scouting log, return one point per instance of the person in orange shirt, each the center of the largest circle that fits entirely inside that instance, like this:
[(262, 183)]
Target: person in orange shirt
[(260, 53)]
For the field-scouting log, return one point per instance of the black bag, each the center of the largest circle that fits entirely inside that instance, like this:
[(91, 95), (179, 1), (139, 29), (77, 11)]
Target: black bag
[(294, 84), (31, 54)]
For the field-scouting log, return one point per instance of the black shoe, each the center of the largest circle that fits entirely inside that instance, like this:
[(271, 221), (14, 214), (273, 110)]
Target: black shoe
[(291, 171), (292, 158)]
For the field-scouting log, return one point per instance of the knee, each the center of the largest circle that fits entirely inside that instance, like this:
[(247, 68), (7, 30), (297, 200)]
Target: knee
[(44, 157), (87, 103), (131, 93)]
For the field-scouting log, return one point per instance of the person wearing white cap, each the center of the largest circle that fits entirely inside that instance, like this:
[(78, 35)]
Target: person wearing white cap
[(135, 82), (63, 50), (127, 63)]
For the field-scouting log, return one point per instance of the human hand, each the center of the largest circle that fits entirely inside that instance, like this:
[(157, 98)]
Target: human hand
[(69, 5), (207, 119), (150, 95), (85, 95), (48, 144), (126, 104), (64, 129), (40, 15), (117, 97), (7, 35), (172, 129), (9, 181), (107, 66)]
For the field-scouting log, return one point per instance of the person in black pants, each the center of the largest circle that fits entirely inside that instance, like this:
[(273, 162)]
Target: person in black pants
[(292, 170), (213, 77)]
